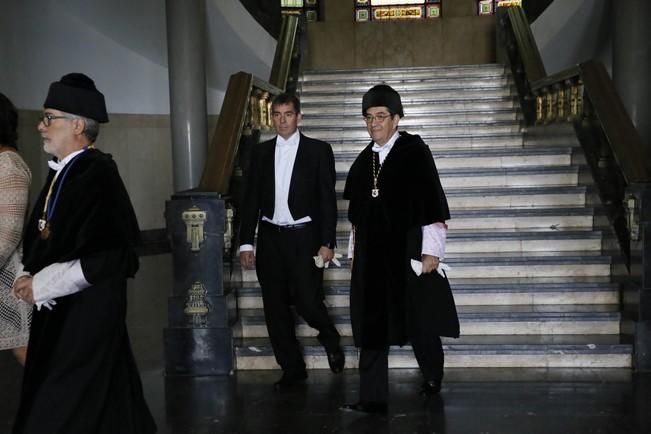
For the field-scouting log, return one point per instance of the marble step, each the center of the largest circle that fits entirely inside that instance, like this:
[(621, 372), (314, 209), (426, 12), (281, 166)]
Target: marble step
[(504, 197), (401, 85), (498, 177), (482, 292), (354, 108), (344, 133), (518, 241), (414, 121), (586, 351), (409, 97), (487, 71), (445, 142), (476, 320), (509, 240), (498, 265), (485, 158), (509, 218)]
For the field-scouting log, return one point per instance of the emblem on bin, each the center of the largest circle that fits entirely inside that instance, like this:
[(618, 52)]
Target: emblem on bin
[(194, 219), (196, 305)]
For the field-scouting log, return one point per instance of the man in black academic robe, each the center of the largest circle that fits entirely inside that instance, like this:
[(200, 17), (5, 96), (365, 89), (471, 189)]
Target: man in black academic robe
[(80, 375), (289, 194), (396, 201)]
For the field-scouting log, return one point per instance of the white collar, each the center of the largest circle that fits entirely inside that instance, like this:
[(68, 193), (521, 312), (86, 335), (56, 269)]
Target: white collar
[(388, 145), (58, 165), (291, 141)]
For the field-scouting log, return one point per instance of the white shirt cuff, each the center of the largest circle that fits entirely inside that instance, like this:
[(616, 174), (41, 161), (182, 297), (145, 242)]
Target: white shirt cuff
[(434, 236), (58, 280), (246, 248), (351, 244)]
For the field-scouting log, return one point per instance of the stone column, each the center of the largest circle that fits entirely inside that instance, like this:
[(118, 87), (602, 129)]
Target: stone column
[(632, 61), (187, 74)]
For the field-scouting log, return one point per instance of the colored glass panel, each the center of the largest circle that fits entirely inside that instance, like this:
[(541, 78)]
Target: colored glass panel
[(485, 7), (311, 15), (433, 11), (396, 9), (362, 15), (404, 12), (291, 3), (509, 3), (395, 2), (307, 8)]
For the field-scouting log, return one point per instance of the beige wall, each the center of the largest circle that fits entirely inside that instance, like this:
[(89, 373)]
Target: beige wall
[(458, 37), (141, 146)]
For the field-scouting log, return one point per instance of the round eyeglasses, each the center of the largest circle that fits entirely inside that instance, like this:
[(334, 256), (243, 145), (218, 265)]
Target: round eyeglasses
[(47, 118), (381, 117)]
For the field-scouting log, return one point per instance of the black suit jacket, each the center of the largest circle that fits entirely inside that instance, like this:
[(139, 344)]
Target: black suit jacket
[(311, 189)]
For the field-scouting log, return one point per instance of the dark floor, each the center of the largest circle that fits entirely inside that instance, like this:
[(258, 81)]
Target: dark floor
[(473, 401)]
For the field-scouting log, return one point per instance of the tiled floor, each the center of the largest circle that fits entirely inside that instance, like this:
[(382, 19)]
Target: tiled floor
[(477, 401)]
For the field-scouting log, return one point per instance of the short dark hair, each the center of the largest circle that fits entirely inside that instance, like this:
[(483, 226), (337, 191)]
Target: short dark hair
[(285, 98), (8, 122)]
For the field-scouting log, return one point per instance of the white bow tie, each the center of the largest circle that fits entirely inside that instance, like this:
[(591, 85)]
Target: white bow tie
[(54, 165), (376, 148)]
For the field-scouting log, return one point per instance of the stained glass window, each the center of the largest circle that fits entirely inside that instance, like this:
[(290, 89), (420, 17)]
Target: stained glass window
[(368, 10), (486, 7), (309, 8)]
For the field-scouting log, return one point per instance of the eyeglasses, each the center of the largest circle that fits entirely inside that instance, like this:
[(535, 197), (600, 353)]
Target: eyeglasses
[(381, 117), (47, 118)]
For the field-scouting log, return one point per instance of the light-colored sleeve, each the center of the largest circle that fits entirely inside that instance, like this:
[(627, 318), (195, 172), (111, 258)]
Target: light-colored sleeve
[(246, 248), (434, 237), (58, 280), (351, 244), (14, 188)]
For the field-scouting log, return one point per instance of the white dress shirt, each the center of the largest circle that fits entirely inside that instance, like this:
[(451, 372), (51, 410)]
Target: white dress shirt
[(434, 234), (284, 158)]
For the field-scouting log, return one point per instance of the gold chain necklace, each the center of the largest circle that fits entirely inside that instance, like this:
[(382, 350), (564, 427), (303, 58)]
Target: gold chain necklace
[(375, 191)]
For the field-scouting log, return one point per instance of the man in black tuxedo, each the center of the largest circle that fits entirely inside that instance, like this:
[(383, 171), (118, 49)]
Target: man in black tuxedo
[(289, 193)]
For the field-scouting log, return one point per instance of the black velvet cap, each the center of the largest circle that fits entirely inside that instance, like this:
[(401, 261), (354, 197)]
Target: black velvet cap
[(382, 95), (76, 93)]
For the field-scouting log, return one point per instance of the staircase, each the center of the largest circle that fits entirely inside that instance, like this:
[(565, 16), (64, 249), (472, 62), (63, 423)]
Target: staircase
[(528, 243)]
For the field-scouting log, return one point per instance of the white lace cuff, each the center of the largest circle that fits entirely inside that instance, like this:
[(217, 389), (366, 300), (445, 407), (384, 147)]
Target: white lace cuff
[(58, 280), (434, 236)]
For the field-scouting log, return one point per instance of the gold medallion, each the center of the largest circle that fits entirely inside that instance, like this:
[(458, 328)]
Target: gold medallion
[(45, 233)]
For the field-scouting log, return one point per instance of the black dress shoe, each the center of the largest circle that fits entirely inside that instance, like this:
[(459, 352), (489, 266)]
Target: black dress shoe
[(366, 407), (430, 388), (336, 360), (288, 380)]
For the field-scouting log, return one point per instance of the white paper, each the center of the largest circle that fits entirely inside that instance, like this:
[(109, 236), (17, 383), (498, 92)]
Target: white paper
[(417, 266)]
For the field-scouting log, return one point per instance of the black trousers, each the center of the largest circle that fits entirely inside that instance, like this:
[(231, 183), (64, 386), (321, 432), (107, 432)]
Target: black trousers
[(374, 366), (288, 276)]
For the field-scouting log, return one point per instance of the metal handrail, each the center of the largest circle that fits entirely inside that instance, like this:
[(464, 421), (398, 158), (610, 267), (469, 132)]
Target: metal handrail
[(619, 160), (585, 96), (247, 108)]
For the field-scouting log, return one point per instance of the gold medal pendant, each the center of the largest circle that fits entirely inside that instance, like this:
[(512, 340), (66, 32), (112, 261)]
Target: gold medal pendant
[(375, 192), (45, 232)]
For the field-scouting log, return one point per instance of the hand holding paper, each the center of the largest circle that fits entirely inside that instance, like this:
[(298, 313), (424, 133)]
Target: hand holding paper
[(318, 261), (417, 266)]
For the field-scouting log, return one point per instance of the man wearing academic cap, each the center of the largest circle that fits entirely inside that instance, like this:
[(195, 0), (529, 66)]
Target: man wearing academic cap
[(398, 212), (79, 248)]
